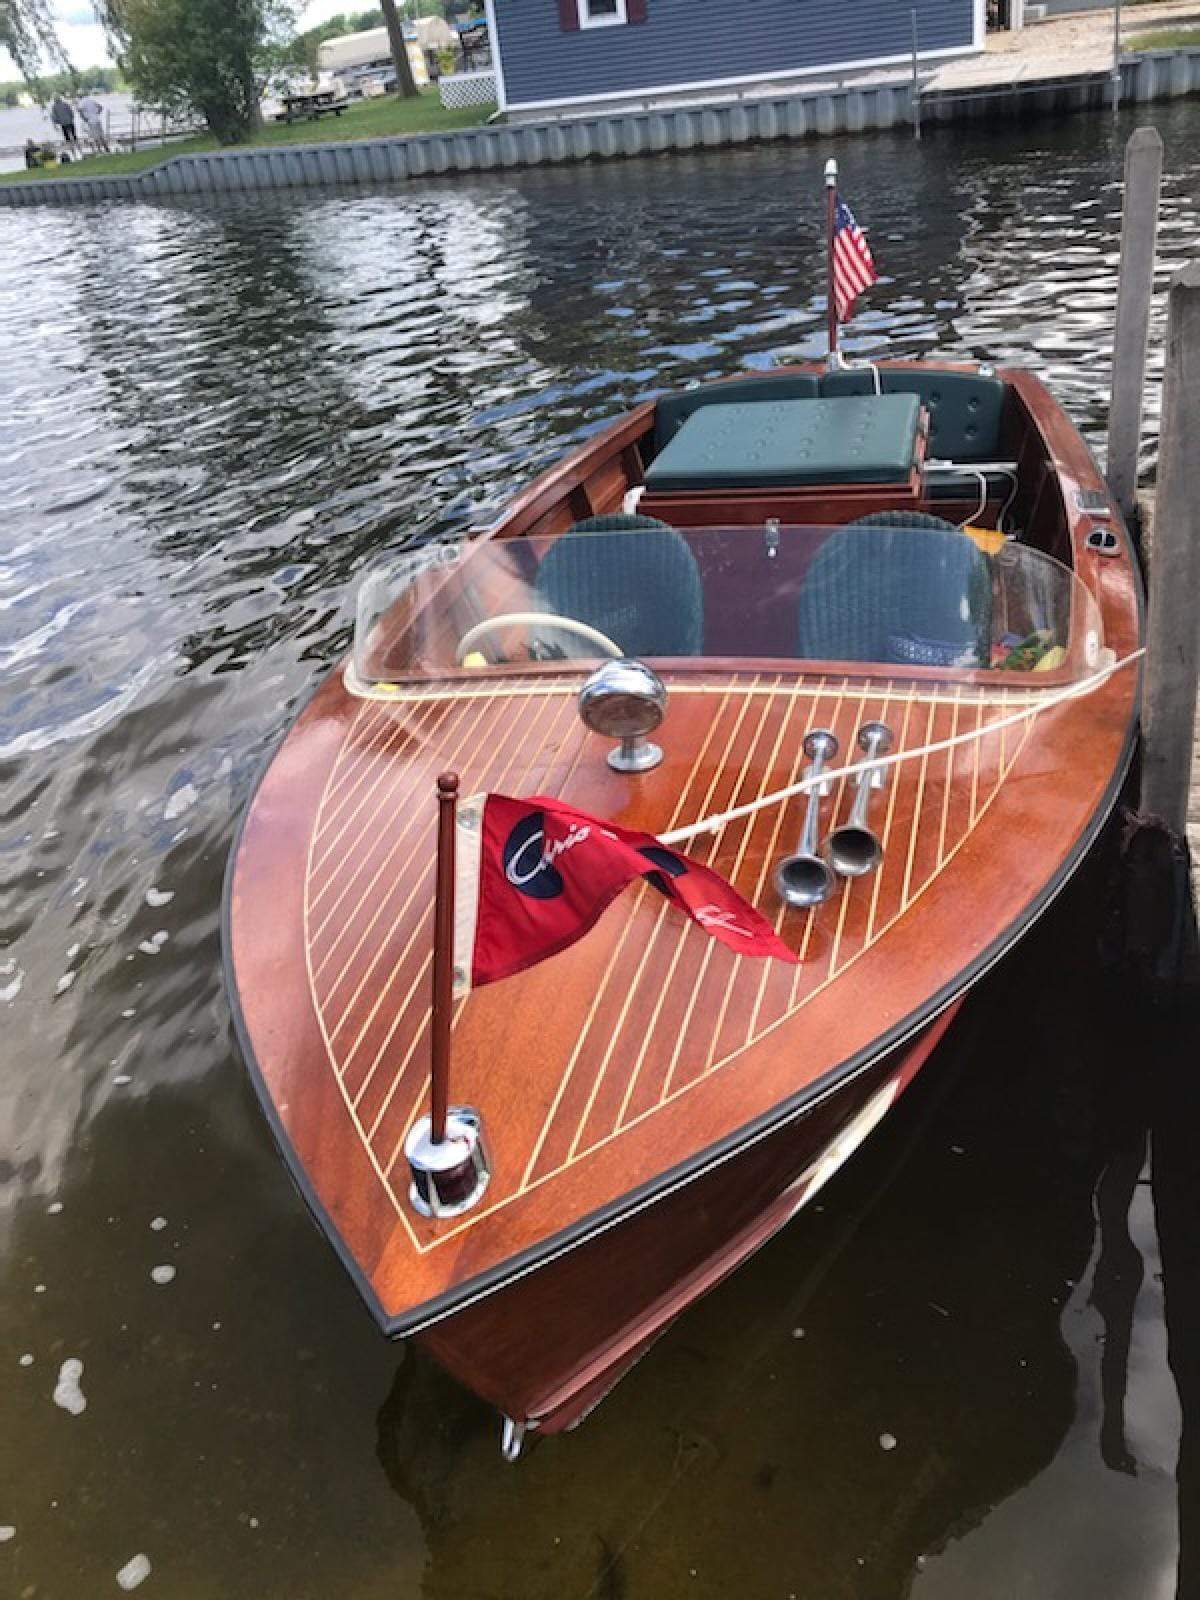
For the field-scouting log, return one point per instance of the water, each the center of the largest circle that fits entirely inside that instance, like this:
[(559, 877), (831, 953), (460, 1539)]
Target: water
[(211, 419)]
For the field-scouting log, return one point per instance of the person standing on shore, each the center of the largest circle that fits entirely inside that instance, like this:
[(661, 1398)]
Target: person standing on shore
[(92, 113), (63, 117)]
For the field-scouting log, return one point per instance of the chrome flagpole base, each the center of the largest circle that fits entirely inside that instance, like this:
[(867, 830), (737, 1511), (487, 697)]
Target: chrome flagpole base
[(449, 1177)]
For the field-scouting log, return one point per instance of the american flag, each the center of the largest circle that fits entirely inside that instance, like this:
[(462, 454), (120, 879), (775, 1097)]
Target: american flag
[(853, 264)]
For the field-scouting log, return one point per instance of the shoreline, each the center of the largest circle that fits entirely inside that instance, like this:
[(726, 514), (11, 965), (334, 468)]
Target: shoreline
[(855, 107)]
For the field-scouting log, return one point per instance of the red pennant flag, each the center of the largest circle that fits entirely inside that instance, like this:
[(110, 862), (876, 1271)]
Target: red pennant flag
[(534, 875)]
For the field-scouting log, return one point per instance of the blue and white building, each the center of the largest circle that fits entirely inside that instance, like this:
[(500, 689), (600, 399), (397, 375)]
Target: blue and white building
[(559, 55)]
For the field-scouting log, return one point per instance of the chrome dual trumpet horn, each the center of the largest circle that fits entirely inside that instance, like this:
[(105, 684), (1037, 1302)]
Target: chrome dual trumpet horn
[(804, 879), (853, 850), (808, 877)]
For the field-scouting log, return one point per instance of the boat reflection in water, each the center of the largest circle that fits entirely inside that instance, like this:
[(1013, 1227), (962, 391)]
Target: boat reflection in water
[(910, 1300), (910, 574)]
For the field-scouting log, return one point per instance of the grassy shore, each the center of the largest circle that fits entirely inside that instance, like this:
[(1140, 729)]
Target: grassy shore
[(1164, 39), (363, 119)]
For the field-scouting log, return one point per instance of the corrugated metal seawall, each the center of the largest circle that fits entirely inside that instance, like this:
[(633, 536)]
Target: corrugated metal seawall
[(1157, 75)]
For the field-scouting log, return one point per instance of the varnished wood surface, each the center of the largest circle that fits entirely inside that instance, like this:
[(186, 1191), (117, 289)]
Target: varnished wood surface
[(597, 1308), (645, 1047)]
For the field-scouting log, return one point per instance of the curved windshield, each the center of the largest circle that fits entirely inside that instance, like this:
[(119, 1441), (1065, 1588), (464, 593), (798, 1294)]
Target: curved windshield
[(928, 601)]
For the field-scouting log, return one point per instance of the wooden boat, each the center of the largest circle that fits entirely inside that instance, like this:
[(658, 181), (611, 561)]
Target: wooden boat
[(654, 1105)]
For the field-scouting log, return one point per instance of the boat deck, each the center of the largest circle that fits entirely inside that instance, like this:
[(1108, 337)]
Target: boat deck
[(646, 1054), (647, 1042), (368, 893)]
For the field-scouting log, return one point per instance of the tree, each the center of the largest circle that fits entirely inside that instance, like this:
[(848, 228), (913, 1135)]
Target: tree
[(405, 83), (27, 33), (200, 55)]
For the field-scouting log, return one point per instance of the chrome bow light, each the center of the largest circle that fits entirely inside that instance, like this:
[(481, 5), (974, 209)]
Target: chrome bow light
[(853, 850), (624, 700), (803, 879)]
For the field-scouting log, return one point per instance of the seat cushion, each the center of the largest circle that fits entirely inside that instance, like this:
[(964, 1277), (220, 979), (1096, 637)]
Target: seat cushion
[(964, 408), (673, 410), (638, 585), (790, 443), (916, 596)]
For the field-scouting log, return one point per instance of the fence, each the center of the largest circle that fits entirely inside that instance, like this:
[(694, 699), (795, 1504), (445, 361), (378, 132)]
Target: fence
[(463, 89)]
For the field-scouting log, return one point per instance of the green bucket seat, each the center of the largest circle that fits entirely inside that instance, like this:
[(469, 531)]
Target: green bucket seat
[(916, 596), (634, 578)]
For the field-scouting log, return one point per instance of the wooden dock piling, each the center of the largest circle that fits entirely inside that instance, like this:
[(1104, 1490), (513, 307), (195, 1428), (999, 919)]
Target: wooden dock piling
[(1135, 288), (1173, 630), (916, 78)]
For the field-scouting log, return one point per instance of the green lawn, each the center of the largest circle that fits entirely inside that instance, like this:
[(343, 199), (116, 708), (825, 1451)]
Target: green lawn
[(364, 119), (1164, 39)]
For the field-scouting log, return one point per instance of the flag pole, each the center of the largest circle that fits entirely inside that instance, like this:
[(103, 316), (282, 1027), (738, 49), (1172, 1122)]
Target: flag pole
[(831, 176), (443, 956), (447, 1160)]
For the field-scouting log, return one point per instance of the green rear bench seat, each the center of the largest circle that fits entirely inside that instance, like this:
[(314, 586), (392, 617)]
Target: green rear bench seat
[(790, 444), (965, 412), (673, 410)]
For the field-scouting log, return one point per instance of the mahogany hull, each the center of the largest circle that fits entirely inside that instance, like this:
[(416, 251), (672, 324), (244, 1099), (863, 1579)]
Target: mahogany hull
[(653, 1104), (592, 1312)]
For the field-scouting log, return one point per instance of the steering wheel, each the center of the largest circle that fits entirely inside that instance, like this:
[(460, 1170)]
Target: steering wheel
[(509, 619)]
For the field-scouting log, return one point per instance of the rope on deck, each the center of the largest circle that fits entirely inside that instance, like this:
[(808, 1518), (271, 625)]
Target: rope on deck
[(1047, 702)]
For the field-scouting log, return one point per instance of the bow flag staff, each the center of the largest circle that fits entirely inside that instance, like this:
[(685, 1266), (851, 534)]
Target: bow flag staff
[(447, 1157), (850, 264), (833, 359)]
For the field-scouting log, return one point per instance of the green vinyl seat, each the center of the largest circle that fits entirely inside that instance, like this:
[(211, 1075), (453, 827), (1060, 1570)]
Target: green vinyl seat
[(965, 409), (672, 410), (634, 578), (790, 444), (915, 596)]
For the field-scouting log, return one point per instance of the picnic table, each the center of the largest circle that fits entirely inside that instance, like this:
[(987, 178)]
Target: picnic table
[(311, 107)]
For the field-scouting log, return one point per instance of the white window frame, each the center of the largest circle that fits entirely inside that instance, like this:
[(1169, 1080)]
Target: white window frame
[(587, 20)]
